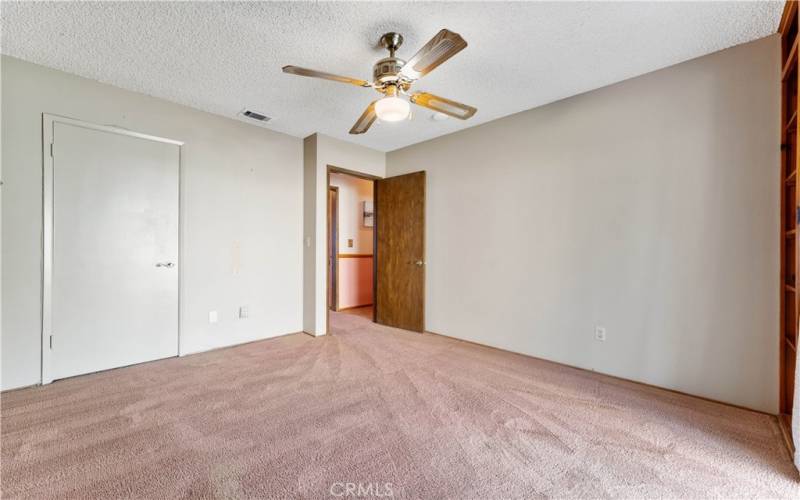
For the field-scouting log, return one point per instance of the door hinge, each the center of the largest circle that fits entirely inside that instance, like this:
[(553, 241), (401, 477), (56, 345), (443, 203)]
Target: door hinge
[(51, 341), (51, 150)]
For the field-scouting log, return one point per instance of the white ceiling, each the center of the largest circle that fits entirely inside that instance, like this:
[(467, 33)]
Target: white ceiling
[(221, 57)]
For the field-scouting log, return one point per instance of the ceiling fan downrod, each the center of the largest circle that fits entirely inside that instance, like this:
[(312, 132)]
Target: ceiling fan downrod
[(391, 41)]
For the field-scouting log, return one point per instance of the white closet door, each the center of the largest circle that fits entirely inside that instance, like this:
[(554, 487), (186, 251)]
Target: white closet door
[(114, 250)]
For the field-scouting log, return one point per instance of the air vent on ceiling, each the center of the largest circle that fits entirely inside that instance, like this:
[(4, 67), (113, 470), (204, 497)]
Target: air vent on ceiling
[(253, 115)]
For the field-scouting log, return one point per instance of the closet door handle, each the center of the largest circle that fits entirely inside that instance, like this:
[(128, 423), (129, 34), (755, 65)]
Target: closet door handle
[(165, 264)]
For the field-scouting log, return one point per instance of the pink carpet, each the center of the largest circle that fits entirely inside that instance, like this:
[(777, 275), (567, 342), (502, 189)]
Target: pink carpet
[(386, 411)]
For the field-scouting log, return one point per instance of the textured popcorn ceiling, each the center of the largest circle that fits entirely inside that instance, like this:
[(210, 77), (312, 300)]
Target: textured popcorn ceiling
[(221, 57)]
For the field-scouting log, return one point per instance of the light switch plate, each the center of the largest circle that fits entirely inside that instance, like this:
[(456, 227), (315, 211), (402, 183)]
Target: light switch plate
[(213, 317)]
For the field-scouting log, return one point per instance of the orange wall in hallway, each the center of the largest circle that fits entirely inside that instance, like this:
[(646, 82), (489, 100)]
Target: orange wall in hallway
[(355, 282)]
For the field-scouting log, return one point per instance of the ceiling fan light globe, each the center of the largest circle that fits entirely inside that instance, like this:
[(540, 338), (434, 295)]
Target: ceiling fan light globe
[(392, 109)]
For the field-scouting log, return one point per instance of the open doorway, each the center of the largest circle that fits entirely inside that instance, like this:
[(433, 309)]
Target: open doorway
[(376, 248), (351, 243)]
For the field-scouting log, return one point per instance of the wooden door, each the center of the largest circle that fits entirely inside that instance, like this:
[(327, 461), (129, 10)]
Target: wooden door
[(400, 251)]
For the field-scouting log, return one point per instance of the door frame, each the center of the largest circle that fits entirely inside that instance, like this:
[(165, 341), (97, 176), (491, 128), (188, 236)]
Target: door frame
[(332, 169), (333, 242), (48, 125)]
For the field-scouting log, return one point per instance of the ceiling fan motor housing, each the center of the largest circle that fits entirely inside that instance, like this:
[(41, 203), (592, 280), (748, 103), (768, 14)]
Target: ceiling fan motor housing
[(387, 69)]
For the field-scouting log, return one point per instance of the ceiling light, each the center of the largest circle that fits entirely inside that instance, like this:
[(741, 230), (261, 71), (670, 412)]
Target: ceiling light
[(392, 109)]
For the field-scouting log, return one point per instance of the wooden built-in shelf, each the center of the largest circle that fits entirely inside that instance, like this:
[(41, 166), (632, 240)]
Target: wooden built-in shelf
[(791, 61), (792, 121), (790, 253)]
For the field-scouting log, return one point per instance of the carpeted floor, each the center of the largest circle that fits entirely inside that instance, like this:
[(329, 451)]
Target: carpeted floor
[(386, 411), (363, 311)]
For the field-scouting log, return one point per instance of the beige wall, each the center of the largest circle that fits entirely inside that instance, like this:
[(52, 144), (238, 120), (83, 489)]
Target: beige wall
[(240, 184), (649, 207)]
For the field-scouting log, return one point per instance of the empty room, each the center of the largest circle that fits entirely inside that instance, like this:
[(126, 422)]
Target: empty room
[(424, 250)]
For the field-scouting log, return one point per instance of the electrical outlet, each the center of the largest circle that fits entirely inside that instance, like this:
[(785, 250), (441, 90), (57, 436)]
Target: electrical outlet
[(244, 312), (600, 333), (213, 317)]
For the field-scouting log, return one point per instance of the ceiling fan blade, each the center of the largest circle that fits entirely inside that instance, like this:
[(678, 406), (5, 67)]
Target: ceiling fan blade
[(296, 70), (366, 120), (440, 48), (442, 105)]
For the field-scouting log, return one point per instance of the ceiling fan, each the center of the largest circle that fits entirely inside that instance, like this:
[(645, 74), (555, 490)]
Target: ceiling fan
[(393, 77)]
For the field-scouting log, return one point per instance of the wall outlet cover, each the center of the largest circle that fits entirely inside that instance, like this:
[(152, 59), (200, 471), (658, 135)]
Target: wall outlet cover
[(600, 333), (244, 312)]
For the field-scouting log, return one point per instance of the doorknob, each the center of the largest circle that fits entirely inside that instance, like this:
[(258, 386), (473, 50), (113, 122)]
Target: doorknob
[(165, 264), (419, 263)]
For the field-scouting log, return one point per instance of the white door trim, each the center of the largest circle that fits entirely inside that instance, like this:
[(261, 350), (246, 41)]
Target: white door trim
[(48, 124)]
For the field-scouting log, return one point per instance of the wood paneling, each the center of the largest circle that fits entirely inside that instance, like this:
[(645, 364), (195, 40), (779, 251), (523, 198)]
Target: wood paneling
[(789, 214), (400, 251)]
